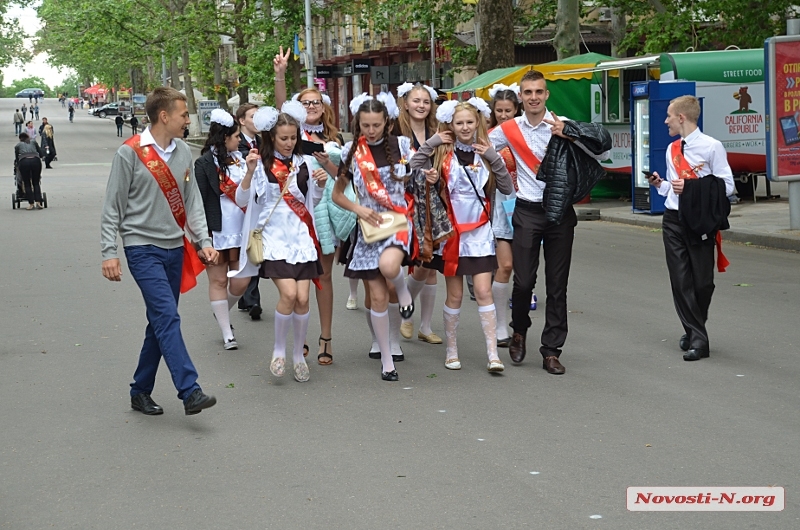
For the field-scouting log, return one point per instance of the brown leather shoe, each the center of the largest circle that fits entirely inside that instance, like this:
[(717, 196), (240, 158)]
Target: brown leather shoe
[(517, 348), (552, 365)]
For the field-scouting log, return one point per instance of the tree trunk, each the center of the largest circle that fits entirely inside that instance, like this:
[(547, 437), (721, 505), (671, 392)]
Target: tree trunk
[(496, 34), (174, 73), (151, 74), (568, 38), (241, 55), (187, 80), (619, 25), (222, 98)]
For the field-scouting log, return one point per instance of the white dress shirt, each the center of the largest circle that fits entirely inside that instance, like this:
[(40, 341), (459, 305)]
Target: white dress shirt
[(146, 138), (707, 156)]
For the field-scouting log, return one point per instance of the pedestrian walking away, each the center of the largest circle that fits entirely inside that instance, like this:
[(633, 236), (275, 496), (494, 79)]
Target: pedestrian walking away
[(218, 172), (36, 109), (19, 119), (697, 208), (71, 111), (135, 124), (248, 139), (152, 203), (470, 171), (28, 160), (528, 137), (279, 216), (119, 121), (375, 164)]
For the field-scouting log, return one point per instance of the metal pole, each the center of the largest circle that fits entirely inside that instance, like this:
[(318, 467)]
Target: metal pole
[(793, 28), (309, 55), (433, 57), (163, 68)]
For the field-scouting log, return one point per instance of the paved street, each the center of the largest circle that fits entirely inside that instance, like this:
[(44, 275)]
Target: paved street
[(439, 449)]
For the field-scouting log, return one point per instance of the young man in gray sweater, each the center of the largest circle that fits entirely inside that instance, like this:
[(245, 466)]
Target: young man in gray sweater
[(152, 203)]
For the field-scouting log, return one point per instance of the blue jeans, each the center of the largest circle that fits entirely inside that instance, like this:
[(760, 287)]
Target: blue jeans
[(17, 128), (157, 272)]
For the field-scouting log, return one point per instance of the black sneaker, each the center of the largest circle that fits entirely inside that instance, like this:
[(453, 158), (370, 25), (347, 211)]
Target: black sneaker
[(198, 401), (255, 312), (144, 403)]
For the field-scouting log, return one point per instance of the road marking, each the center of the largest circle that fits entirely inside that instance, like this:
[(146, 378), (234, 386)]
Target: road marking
[(107, 164)]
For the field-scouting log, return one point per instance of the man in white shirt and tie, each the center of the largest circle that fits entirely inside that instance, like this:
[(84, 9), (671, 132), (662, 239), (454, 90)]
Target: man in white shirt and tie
[(690, 262)]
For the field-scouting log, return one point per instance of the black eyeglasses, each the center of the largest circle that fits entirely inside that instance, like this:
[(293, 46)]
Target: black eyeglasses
[(311, 103)]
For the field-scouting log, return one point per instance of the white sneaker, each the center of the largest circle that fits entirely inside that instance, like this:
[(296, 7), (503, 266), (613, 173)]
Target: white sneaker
[(231, 344), (453, 364), (495, 365), (352, 303)]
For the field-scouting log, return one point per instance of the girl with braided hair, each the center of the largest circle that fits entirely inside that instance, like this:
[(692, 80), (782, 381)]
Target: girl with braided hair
[(376, 164)]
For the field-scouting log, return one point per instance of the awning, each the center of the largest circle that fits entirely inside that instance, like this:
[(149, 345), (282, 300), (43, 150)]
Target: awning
[(479, 86), (97, 90), (726, 66), (645, 61), (575, 67)]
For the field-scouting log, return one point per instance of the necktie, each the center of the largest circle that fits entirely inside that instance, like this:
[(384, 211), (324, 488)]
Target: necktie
[(683, 144), (253, 145)]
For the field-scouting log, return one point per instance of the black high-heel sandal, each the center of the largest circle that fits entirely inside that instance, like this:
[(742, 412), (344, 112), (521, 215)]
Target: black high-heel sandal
[(324, 354)]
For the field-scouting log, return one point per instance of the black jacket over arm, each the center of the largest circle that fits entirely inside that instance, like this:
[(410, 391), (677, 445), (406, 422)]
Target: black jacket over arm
[(704, 208), (207, 178), (569, 171)]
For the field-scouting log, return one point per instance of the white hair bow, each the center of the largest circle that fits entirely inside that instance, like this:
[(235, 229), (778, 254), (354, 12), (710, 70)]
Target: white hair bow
[(389, 102), (444, 114), (222, 117), (481, 105), (358, 101), (294, 109), (326, 99), (498, 87), (404, 89), (265, 118)]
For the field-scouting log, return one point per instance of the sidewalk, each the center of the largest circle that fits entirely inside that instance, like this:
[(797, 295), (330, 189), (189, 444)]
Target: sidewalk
[(765, 223)]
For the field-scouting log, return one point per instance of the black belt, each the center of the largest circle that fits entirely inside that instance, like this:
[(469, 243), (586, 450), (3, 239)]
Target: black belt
[(528, 205)]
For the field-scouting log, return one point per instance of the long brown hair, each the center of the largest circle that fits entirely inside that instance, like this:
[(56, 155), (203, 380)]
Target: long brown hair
[(329, 131), (371, 105), (504, 95), (480, 134), (267, 149), (403, 123)]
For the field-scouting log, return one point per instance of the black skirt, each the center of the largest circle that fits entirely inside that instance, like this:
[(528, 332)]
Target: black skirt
[(467, 266), (280, 269)]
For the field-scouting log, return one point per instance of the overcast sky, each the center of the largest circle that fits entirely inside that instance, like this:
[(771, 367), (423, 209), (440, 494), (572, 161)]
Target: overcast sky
[(38, 67)]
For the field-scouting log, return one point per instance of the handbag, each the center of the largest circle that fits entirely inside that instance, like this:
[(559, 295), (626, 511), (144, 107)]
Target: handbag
[(255, 244), (392, 222)]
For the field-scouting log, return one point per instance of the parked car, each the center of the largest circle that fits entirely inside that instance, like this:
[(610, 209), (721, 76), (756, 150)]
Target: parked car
[(112, 109), (30, 92)]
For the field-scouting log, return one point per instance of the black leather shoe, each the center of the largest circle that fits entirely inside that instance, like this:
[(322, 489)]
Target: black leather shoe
[(684, 342), (398, 358), (517, 348), (503, 343), (255, 312), (198, 401), (145, 404), (407, 311), (695, 354), (390, 376), (374, 355)]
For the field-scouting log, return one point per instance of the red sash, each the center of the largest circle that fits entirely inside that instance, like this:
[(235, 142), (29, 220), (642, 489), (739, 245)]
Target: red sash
[(376, 190), (192, 266), (452, 248), (518, 143), (228, 187), (281, 173), (685, 171), (511, 165)]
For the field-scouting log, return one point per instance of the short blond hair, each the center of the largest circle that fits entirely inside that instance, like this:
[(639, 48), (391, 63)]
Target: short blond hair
[(689, 106)]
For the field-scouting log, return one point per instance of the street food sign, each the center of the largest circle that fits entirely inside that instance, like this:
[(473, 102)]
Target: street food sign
[(782, 87)]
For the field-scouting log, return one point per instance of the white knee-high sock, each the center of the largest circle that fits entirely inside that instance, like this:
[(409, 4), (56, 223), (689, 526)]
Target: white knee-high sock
[(300, 328), (394, 329), (232, 299), (375, 346), (500, 297), (354, 288), (414, 286), (427, 300), (451, 317), (380, 322), (403, 296), (220, 309), (282, 323), (489, 325)]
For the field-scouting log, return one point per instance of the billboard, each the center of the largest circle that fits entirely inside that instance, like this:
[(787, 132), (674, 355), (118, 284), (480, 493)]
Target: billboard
[(782, 61), (204, 109)]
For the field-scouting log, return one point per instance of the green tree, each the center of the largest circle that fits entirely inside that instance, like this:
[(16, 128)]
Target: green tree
[(12, 37), (27, 82)]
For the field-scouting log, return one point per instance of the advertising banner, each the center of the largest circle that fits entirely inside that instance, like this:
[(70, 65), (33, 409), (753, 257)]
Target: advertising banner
[(782, 58), (204, 109)]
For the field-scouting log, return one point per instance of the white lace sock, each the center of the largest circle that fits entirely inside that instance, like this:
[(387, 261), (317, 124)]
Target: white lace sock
[(380, 322), (300, 328), (282, 323), (375, 345), (232, 299), (500, 297), (489, 325), (220, 309), (394, 329), (427, 300), (451, 317), (403, 296), (354, 288)]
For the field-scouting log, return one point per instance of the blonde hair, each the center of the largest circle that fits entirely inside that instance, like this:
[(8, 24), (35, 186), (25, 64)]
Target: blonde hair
[(689, 106), (329, 130), (403, 123), (481, 133), (48, 130)]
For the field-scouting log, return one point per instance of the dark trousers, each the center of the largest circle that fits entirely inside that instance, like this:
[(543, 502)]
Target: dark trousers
[(119, 129), (251, 295), (30, 169), (157, 272), (691, 275), (532, 230)]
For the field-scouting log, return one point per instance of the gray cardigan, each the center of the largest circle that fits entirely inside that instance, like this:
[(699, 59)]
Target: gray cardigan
[(135, 206)]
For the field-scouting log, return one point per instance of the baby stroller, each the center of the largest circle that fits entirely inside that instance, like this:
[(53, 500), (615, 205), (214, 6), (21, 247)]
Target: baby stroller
[(19, 196)]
